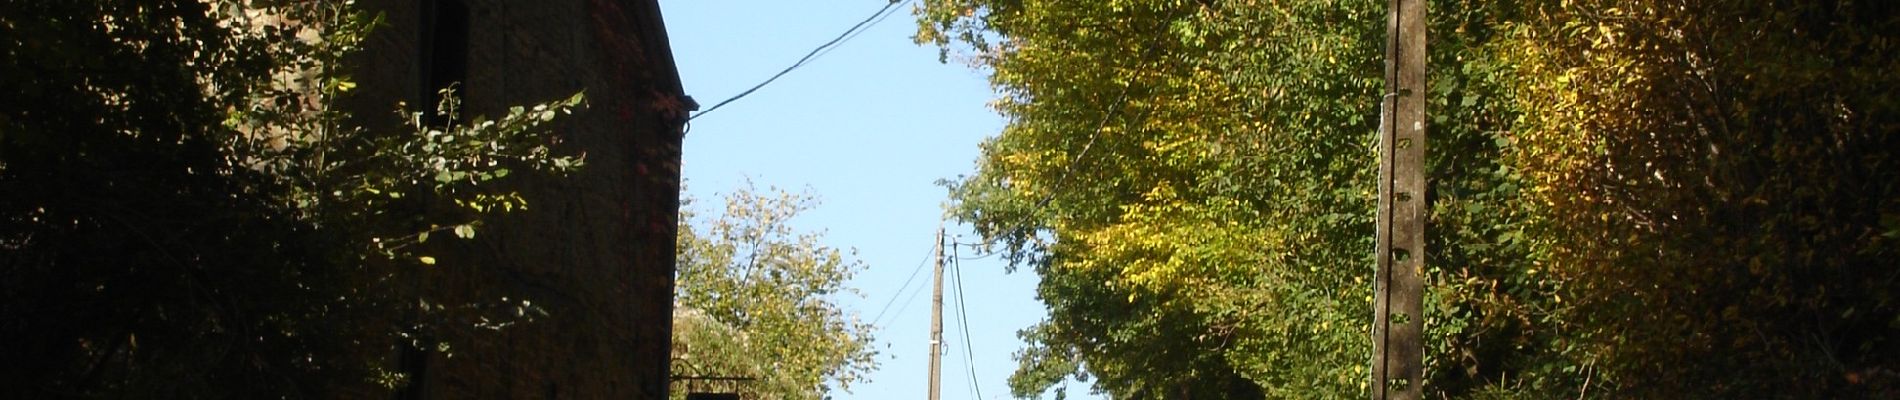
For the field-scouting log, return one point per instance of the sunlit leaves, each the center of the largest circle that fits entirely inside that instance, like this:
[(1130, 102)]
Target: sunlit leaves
[(1617, 186), (758, 298), (1174, 190)]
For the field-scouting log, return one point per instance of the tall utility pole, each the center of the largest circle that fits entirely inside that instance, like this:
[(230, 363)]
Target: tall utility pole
[(1398, 355), (936, 322)]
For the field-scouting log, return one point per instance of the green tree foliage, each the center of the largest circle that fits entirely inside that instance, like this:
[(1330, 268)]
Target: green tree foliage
[(186, 216), (1629, 198), (757, 298)]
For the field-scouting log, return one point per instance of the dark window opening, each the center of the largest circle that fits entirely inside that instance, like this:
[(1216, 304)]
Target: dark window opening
[(443, 56), (414, 362), (442, 62)]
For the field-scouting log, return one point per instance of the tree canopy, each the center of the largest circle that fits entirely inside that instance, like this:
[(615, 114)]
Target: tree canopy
[(757, 298), (1643, 199)]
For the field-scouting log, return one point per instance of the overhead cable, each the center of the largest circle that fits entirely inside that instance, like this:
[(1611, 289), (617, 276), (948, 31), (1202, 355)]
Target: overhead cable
[(901, 288), (963, 314), (860, 27)]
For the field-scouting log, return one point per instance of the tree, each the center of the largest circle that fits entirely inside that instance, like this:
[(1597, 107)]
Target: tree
[(1189, 180), (1617, 187), (757, 299), (1732, 163), (187, 216)]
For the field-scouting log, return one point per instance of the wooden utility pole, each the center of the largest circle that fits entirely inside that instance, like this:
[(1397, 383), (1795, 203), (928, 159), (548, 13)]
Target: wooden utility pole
[(936, 322), (1398, 355)]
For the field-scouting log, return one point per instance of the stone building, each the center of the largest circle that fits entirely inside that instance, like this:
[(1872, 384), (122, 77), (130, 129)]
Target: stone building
[(595, 249)]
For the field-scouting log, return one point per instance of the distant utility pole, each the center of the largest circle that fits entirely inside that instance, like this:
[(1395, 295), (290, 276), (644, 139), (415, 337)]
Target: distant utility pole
[(936, 322), (1398, 355)]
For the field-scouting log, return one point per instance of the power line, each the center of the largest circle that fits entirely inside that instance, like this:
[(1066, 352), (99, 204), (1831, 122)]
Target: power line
[(909, 301), (1068, 171), (963, 315), (901, 288), (860, 27), (880, 20), (984, 256), (920, 287), (1112, 109)]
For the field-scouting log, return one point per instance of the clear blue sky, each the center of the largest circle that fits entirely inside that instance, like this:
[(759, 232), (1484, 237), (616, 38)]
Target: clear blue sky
[(868, 128)]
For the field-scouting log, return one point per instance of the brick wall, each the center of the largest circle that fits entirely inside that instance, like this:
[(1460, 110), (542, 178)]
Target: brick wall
[(595, 250)]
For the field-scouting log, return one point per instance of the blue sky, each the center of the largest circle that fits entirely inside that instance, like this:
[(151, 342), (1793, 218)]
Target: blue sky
[(867, 128)]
